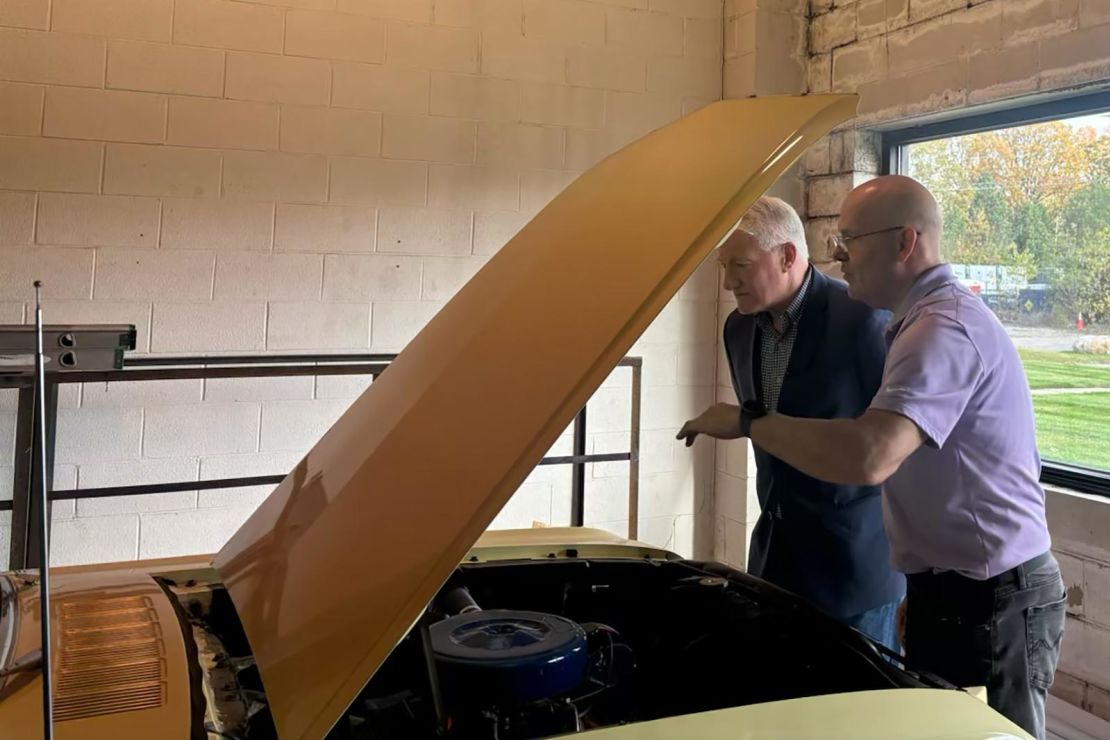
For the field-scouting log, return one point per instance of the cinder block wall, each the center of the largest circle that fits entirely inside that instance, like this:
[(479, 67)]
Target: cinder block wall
[(914, 58), (319, 175)]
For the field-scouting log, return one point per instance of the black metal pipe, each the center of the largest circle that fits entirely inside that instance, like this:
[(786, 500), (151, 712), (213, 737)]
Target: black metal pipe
[(161, 361), (149, 488), (245, 366), (22, 503), (578, 472), (206, 373), (634, 456), (583, 459), (144, 489)]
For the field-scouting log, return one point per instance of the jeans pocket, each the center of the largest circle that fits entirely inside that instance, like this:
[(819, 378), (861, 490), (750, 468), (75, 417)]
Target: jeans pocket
[(1044, 575), (1044, 630)]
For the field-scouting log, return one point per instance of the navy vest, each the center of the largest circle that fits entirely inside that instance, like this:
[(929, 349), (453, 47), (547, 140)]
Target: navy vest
[(824, 542)]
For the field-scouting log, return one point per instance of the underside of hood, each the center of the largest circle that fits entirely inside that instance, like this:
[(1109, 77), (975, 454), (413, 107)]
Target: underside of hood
[(342, 558)]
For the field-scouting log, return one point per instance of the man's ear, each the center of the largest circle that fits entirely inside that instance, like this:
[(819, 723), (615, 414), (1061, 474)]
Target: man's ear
[(789, 255), (908, 244)]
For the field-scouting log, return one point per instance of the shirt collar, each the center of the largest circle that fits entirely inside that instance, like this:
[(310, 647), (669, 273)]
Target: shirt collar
[(793, 310), (925, 284)]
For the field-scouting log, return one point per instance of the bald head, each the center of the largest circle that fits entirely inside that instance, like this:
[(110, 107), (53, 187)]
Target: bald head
[(891, 226), (896, 200)]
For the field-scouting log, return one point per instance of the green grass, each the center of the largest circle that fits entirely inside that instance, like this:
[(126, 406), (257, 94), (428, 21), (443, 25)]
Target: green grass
[(1065, 369), (1071, 427), (1074, 428)]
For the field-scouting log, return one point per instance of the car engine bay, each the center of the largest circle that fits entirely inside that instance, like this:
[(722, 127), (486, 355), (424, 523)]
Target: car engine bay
[(519, 650)]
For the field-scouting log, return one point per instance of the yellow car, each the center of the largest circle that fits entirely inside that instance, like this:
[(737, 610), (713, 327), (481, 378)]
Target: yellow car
[(361, 600)]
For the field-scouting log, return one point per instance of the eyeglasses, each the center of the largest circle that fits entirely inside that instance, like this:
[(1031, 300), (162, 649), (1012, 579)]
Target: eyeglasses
[(838, 242)]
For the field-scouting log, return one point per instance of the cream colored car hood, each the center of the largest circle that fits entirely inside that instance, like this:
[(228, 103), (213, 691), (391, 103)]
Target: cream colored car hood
[(905, 714), (337, 564)]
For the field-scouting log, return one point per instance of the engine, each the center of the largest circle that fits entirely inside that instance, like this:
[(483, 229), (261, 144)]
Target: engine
[(513, 674), (537, 649)]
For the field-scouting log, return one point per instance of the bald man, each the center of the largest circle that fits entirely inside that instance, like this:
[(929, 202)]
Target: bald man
[(950, 435)]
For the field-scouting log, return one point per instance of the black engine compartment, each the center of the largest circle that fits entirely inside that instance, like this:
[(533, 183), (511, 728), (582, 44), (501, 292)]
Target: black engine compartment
[(664, 639), (519, 650)]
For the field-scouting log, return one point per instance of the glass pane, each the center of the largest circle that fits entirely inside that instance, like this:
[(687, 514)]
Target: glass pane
[(1027, 228)]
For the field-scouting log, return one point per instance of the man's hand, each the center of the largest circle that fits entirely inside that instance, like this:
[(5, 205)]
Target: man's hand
[(720, 421)]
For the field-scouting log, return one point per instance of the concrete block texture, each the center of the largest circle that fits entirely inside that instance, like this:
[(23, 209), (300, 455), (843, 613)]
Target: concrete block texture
[(313, 175), (17, 219), (21, 109), (131, 169), (180, 70), (107, 220), (104, 115), (51, 58), (228, 25), (146, 20), (221, 124), (26, 14), (220, 326), (200, 430)]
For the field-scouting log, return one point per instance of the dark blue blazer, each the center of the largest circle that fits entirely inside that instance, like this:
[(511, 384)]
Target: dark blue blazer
[(822, 541)]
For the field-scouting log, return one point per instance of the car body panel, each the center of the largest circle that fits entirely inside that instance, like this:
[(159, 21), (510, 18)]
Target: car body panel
[(905, 714), (118, 654), (409, 477)]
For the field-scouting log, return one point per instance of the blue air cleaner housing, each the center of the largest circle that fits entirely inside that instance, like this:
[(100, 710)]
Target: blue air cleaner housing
[(508, 657)]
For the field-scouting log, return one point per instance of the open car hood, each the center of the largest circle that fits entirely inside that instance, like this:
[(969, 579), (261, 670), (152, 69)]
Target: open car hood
[(340, 561)]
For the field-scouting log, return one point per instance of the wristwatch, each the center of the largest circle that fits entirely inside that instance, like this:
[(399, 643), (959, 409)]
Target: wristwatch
[(749, 412)]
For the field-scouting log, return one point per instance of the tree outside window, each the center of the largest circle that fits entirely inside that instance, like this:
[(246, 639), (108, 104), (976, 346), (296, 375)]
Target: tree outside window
[(1027, 227)]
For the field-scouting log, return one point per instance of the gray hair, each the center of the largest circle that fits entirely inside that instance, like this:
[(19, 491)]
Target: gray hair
[(774, 222)]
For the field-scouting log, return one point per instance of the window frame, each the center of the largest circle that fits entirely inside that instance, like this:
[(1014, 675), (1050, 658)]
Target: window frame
[(894, 143)]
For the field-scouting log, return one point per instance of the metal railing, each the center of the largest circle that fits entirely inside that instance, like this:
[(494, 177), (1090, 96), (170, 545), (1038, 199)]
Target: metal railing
[(24, 540)]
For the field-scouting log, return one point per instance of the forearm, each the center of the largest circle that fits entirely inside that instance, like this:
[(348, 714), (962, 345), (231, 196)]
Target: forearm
[(832, 450), (729, 413)]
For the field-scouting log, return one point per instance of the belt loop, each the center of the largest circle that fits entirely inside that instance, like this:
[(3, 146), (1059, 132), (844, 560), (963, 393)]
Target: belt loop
[(1022, 576)]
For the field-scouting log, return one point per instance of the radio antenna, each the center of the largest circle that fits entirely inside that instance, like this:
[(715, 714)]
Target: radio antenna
[(44, 525)]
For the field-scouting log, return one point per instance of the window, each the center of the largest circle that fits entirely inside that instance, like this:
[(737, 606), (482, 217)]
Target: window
[(1027, 228)]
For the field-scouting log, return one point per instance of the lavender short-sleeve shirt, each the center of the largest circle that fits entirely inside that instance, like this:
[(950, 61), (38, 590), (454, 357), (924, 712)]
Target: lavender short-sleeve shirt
[(968, 500)]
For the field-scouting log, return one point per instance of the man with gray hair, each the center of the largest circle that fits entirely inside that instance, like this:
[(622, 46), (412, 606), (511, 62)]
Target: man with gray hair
[(799, 345)]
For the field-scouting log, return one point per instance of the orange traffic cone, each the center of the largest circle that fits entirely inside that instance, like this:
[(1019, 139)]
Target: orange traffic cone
[(1079, 321)]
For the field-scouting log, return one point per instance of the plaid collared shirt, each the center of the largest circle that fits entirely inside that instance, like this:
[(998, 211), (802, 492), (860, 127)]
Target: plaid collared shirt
[(775, 347)]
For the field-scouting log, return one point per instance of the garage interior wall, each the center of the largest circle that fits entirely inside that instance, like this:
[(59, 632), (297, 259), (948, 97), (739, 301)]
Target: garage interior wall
[(912, 59), (321, 175)]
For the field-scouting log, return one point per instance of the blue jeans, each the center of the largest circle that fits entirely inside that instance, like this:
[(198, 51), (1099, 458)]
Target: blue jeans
[(878, 624), (1003, 633)]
